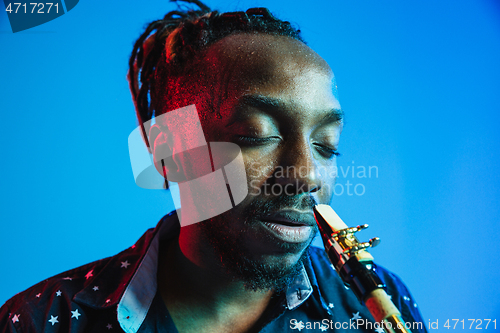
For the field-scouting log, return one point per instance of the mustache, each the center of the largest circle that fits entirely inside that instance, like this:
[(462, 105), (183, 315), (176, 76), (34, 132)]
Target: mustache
[(259, 208)]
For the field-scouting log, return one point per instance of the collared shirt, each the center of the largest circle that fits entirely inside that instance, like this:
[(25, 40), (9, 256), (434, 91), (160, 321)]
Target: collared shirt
[(119, 294)]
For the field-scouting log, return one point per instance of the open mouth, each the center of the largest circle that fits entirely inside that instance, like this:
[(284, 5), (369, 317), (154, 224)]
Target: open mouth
[(289, 231), (290, 225)]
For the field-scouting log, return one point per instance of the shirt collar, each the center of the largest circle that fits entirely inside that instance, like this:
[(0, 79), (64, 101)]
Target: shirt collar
[(299, 290), (134, 292), (111, 276)]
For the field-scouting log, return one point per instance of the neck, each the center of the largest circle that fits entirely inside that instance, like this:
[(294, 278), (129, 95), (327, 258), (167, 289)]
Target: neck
[(199, 293)]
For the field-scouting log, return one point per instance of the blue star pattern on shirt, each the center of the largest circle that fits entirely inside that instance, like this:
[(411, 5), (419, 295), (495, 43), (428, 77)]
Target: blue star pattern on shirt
[(75, 314), (53, 319), (356, 316)]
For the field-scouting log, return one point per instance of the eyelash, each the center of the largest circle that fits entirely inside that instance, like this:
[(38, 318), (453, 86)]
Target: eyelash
[(249, 140), (331, 152)]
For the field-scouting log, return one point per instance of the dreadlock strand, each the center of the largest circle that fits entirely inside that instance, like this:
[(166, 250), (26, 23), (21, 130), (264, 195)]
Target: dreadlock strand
[(135, 62)]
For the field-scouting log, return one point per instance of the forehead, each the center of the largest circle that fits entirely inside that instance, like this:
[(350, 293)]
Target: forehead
[(252, 44), (262, 56), (281, 68)]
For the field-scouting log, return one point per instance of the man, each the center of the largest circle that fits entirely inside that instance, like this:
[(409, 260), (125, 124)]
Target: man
[(253, 82)]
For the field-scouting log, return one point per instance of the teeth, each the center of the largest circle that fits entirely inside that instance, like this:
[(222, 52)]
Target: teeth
[(284, 229), (294, 234)]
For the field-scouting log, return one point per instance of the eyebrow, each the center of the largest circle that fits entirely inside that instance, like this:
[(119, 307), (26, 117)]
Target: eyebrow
[(274, 105), (262, 102)]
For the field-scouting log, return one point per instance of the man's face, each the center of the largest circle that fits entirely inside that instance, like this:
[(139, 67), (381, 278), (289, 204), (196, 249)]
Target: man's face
[(277, 101)]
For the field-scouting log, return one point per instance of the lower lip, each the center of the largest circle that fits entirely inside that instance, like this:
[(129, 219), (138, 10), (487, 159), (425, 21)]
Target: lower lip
[(298, 234)]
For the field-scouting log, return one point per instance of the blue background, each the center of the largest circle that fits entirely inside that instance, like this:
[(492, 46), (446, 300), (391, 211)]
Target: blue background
[(418, 80)]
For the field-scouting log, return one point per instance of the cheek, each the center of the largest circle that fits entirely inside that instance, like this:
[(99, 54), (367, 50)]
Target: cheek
[(258, 168), (328, 175), (328, 172)]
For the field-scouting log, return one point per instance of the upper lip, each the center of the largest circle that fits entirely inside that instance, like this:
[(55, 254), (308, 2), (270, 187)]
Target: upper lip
[(292, 217)]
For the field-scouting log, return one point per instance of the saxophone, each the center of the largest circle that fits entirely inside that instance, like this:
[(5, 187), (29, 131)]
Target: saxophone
[(356, 269)]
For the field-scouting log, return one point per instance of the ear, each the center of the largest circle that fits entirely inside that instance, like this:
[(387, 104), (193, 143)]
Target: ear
[(162, 151)]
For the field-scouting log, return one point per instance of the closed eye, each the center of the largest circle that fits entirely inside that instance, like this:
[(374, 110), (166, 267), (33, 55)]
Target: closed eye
[(326, 151), (256, 141)]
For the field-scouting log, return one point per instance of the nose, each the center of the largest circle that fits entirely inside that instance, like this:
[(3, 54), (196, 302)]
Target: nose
[(298, 170)]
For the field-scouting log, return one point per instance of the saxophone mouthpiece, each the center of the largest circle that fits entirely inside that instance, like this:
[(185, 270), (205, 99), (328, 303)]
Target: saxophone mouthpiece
[(328, 221)]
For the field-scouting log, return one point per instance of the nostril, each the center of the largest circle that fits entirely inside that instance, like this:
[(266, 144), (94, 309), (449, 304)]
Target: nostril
[(315, 189)]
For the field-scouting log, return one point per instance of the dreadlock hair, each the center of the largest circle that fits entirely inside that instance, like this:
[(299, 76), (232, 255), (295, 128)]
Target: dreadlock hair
[(163, 53)]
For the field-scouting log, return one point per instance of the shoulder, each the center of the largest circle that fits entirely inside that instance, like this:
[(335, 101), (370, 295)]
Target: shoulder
[(81, 299), (49, 302)]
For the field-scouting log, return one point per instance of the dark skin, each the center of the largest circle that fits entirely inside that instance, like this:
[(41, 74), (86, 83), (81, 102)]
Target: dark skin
[(279, 104)]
